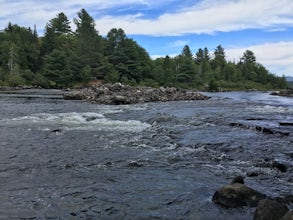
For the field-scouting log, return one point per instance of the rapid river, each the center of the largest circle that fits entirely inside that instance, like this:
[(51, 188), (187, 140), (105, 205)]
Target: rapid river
[(62, 159)]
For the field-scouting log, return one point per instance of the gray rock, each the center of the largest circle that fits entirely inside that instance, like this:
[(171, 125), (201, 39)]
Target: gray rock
[(118, 94)]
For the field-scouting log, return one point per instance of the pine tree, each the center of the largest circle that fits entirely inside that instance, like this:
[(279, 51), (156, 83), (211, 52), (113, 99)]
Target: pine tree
[(89, 45), (185, 69)]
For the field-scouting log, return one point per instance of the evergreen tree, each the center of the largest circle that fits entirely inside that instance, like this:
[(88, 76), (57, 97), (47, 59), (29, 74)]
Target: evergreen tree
[(169, 71), (202, 59), (131, 62), (248, 57), (57, 69), (57, 34), (219, 58), (248, 65), (60, 25), (115, 51), (185, 68), (89, 45), (19, 50)]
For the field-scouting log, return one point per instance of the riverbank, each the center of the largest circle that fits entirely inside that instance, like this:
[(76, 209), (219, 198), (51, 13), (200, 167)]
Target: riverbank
[(118, 94), (14, 88)]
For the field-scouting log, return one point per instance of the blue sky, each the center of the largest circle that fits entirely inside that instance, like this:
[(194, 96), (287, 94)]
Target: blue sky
[(164, 27)]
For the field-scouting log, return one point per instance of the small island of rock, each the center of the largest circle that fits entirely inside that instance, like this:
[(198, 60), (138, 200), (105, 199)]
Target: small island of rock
[(120, 94)]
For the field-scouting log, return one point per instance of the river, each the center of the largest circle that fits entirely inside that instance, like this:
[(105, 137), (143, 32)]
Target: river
[(62, 159)]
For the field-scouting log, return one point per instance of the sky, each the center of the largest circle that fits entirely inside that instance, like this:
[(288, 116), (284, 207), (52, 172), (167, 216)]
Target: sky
[(164, 27)]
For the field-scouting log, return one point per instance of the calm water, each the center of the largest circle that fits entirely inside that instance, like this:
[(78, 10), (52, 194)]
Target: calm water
[(63, 159)]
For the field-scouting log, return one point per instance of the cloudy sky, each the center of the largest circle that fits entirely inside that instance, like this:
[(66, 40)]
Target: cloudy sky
[(163, 27)]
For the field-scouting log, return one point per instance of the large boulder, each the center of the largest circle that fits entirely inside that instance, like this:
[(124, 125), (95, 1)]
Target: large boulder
[(269, 209), (237, 194)]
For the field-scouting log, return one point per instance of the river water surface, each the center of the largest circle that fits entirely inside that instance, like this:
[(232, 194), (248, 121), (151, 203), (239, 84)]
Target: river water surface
[(62, 159)]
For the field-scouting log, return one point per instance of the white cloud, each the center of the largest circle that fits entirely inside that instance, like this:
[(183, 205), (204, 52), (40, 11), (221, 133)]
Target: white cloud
[(178, 43), (207, 17), (29, 12), (276, 57)]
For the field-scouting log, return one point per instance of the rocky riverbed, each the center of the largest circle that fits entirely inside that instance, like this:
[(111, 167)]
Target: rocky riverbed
[(118, 94)]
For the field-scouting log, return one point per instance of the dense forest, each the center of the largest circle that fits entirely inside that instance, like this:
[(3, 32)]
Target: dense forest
[(65, 58)]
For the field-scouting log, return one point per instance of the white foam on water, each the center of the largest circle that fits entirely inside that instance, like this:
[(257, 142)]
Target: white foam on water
[(271, 109), (77, 121)]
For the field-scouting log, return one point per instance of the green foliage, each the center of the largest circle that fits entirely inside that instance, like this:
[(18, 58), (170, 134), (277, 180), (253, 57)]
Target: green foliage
[(185, 66), (213, 86), (63, 58), (131, 62), (88, 45), (56, 68)]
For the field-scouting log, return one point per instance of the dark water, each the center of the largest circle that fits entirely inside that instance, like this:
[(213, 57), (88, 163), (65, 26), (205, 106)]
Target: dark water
[(76, 160)]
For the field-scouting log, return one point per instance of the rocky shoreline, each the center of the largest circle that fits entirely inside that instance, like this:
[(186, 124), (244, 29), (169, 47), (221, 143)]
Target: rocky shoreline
[(120, 94), (285, 93), (15, 88)]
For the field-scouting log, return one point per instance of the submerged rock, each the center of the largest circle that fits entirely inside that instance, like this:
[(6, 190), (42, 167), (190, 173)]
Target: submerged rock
[(268, 209), (237, 194), (261, 129), (118, 94), (280, 166)]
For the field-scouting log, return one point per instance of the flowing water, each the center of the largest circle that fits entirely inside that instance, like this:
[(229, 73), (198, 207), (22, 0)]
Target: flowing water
[(62, 159)]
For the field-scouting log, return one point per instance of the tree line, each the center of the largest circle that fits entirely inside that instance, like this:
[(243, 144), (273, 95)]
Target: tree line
[(65, 58)]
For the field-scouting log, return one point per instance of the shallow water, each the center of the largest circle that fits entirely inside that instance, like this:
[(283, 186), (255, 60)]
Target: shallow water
[(63, 159)]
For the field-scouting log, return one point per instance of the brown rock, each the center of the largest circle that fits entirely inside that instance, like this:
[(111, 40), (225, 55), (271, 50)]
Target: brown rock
[(237, 195)]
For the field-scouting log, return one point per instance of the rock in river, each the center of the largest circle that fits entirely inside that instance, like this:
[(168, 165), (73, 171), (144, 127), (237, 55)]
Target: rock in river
[(237, 194), (269, 209), (118, 94)]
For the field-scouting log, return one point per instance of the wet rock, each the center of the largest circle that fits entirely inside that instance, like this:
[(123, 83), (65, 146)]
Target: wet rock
[(119, 94), (252, 174), (238, 179), (280, 166), (258, 128), (285, 199), (237, 194), (120, 100), (91, 118), (134, 164), (286, 123), (56, 130), (74, 95), (268, 209)]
